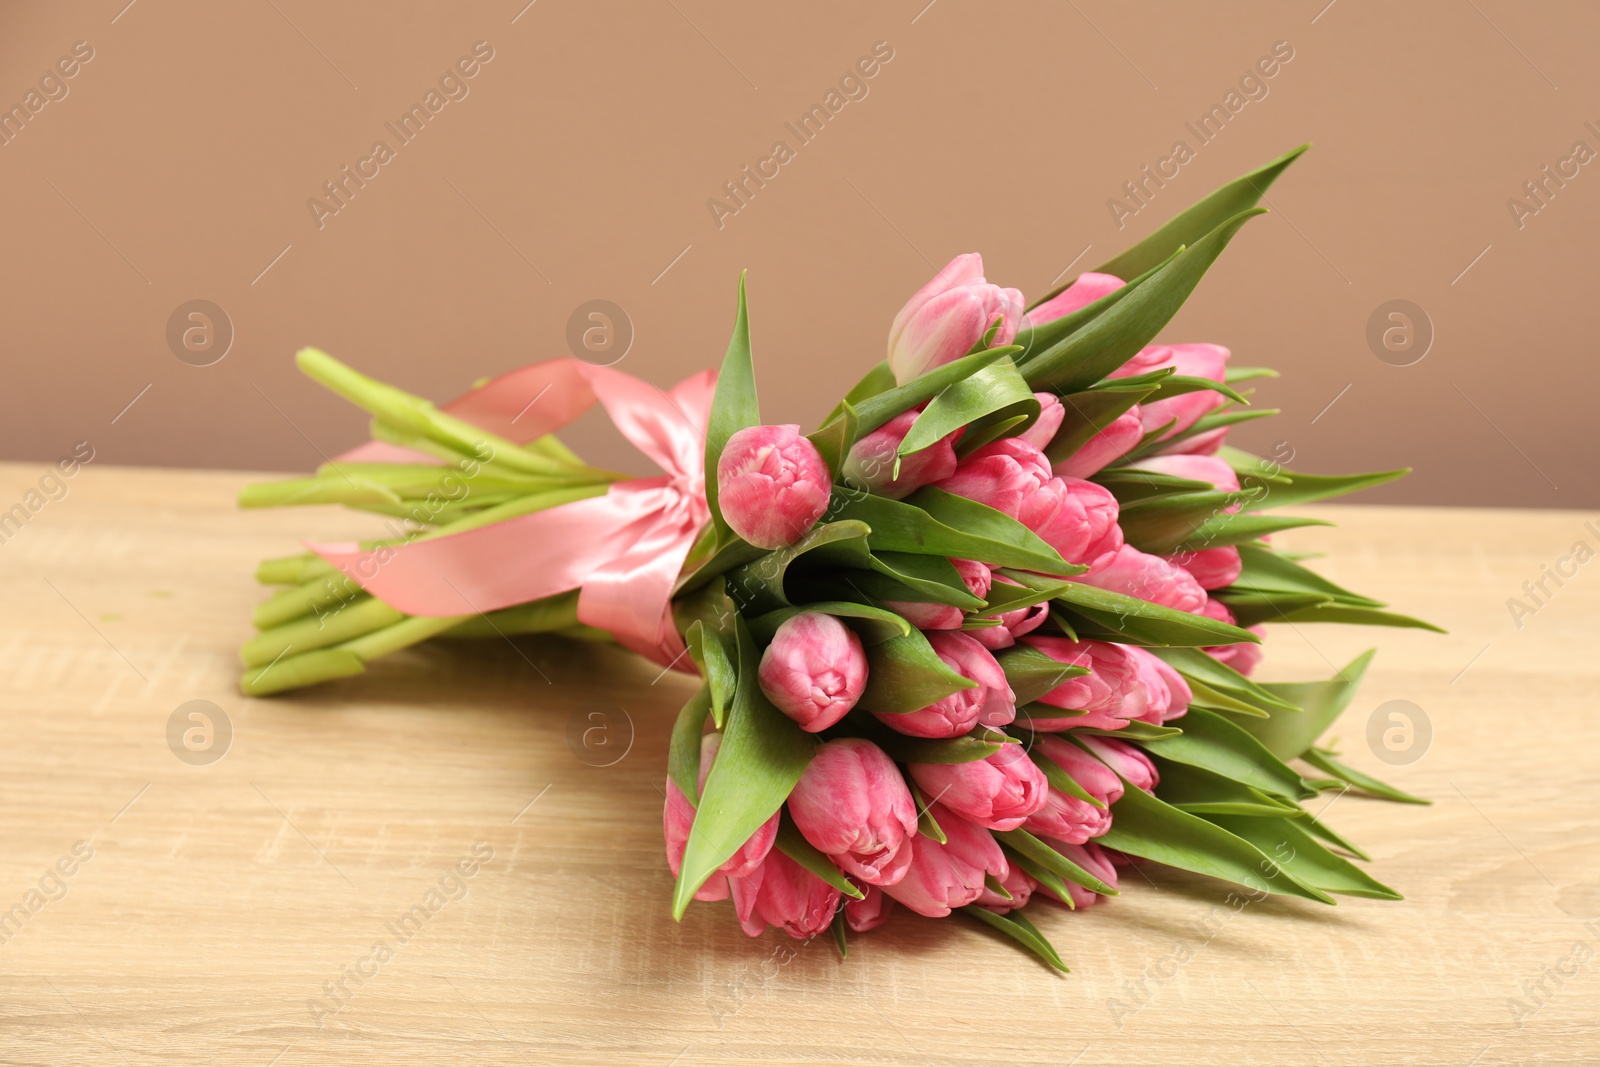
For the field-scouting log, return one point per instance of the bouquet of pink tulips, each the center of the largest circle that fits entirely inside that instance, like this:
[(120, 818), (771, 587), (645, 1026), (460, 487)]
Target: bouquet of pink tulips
[(984, 635)]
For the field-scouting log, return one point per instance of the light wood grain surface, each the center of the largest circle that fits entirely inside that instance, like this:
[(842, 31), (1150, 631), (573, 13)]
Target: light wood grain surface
[(221, 901)]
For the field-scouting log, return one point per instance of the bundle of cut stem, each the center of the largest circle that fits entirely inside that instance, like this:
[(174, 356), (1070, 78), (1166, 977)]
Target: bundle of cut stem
[(320, 625)]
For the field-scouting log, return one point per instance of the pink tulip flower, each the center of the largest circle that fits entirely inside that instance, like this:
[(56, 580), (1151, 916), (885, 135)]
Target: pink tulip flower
[(814, 670), (870, 912), (1002, 474), (852, 805), (1191, 360), (1124, 684), (926, 616), (1106, 448), (942, 877), (678, 819), (1018, 882), (1212, 568), (1064, 817), (782, 893), (1051, 414), (999, 791), (1130, 763), (772, 485), (1013, 624), (1139, 574), (948, 316), (1243, 657), (1085, 290), (1077, 518), (871, 462), (1092, 858), (991, 702)]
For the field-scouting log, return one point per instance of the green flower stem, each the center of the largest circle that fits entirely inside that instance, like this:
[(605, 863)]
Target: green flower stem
[(290, 570), (297, 672), (403, 634), (415, 415), (304, 599), (354, 620), (551, 614)]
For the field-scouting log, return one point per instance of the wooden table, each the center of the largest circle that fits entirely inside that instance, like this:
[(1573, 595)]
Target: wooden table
[(225, 903)]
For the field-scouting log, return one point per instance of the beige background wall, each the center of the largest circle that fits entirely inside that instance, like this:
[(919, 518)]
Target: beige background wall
[(579, 163)]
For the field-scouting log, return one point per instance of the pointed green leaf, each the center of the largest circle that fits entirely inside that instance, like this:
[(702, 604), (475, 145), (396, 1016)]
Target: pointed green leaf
[(927, 825), (997, 389), (733, 407), (793, 844), (1357, 616), (1061, 781), (1142, 825), (1323, 761), (1031, 674), (1020, 930), (683, 750), (1290, 488), (873, 625), (1158, 525), (1196, 666), (1213, 742), (758, 586), (1289, 735), (932, 522), (1102, 614), (1041, 853), (836, 437), (1240, 526), (906, 675), (873, 411), (1190, 225), (763, 755), (1203, 792), (1116, 336), (1090, 411), (1304, 857), (712, 654)]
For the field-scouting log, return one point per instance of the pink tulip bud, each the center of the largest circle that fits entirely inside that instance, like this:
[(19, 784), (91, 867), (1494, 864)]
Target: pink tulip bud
[(1013, 624), (1218, 473), (926, 616), (1001, 474), (1076, 518), (1212, 568), (1018, 882), (999, 791), (1092, 858), (1243, 657), (871, 462), (782, 893), (772, 485), (1130, 763), (1139, 574), (948, 316), (870, 912), (1124, 684), (1191, 360), (852, 805), (942, 877), (1106, 448), (1066, 817), (991, 702), (814, 670), (1084, 290), (1051, 414), (678, 819)]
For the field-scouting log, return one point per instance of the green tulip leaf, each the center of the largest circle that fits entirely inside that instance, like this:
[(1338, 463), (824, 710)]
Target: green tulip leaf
[(1041, 853), (905, 675), (996, 390), (1288, 735), (1203, 792), (1020, 930), (1323, 761), (1102, 614), (1213, 742), (1306, 860), (683, 750), (733, 407), (1031, 674), (792, 843), (873, 411), (933, 522), (763, 755)]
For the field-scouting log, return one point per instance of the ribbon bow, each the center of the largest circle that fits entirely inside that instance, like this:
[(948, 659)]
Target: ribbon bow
[(623, 550)]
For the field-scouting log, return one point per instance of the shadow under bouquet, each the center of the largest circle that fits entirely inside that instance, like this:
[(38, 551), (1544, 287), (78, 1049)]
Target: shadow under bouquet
[(985, 636)]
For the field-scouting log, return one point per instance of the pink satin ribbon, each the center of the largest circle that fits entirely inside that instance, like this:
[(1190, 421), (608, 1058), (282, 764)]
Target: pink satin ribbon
[(623, 550)]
